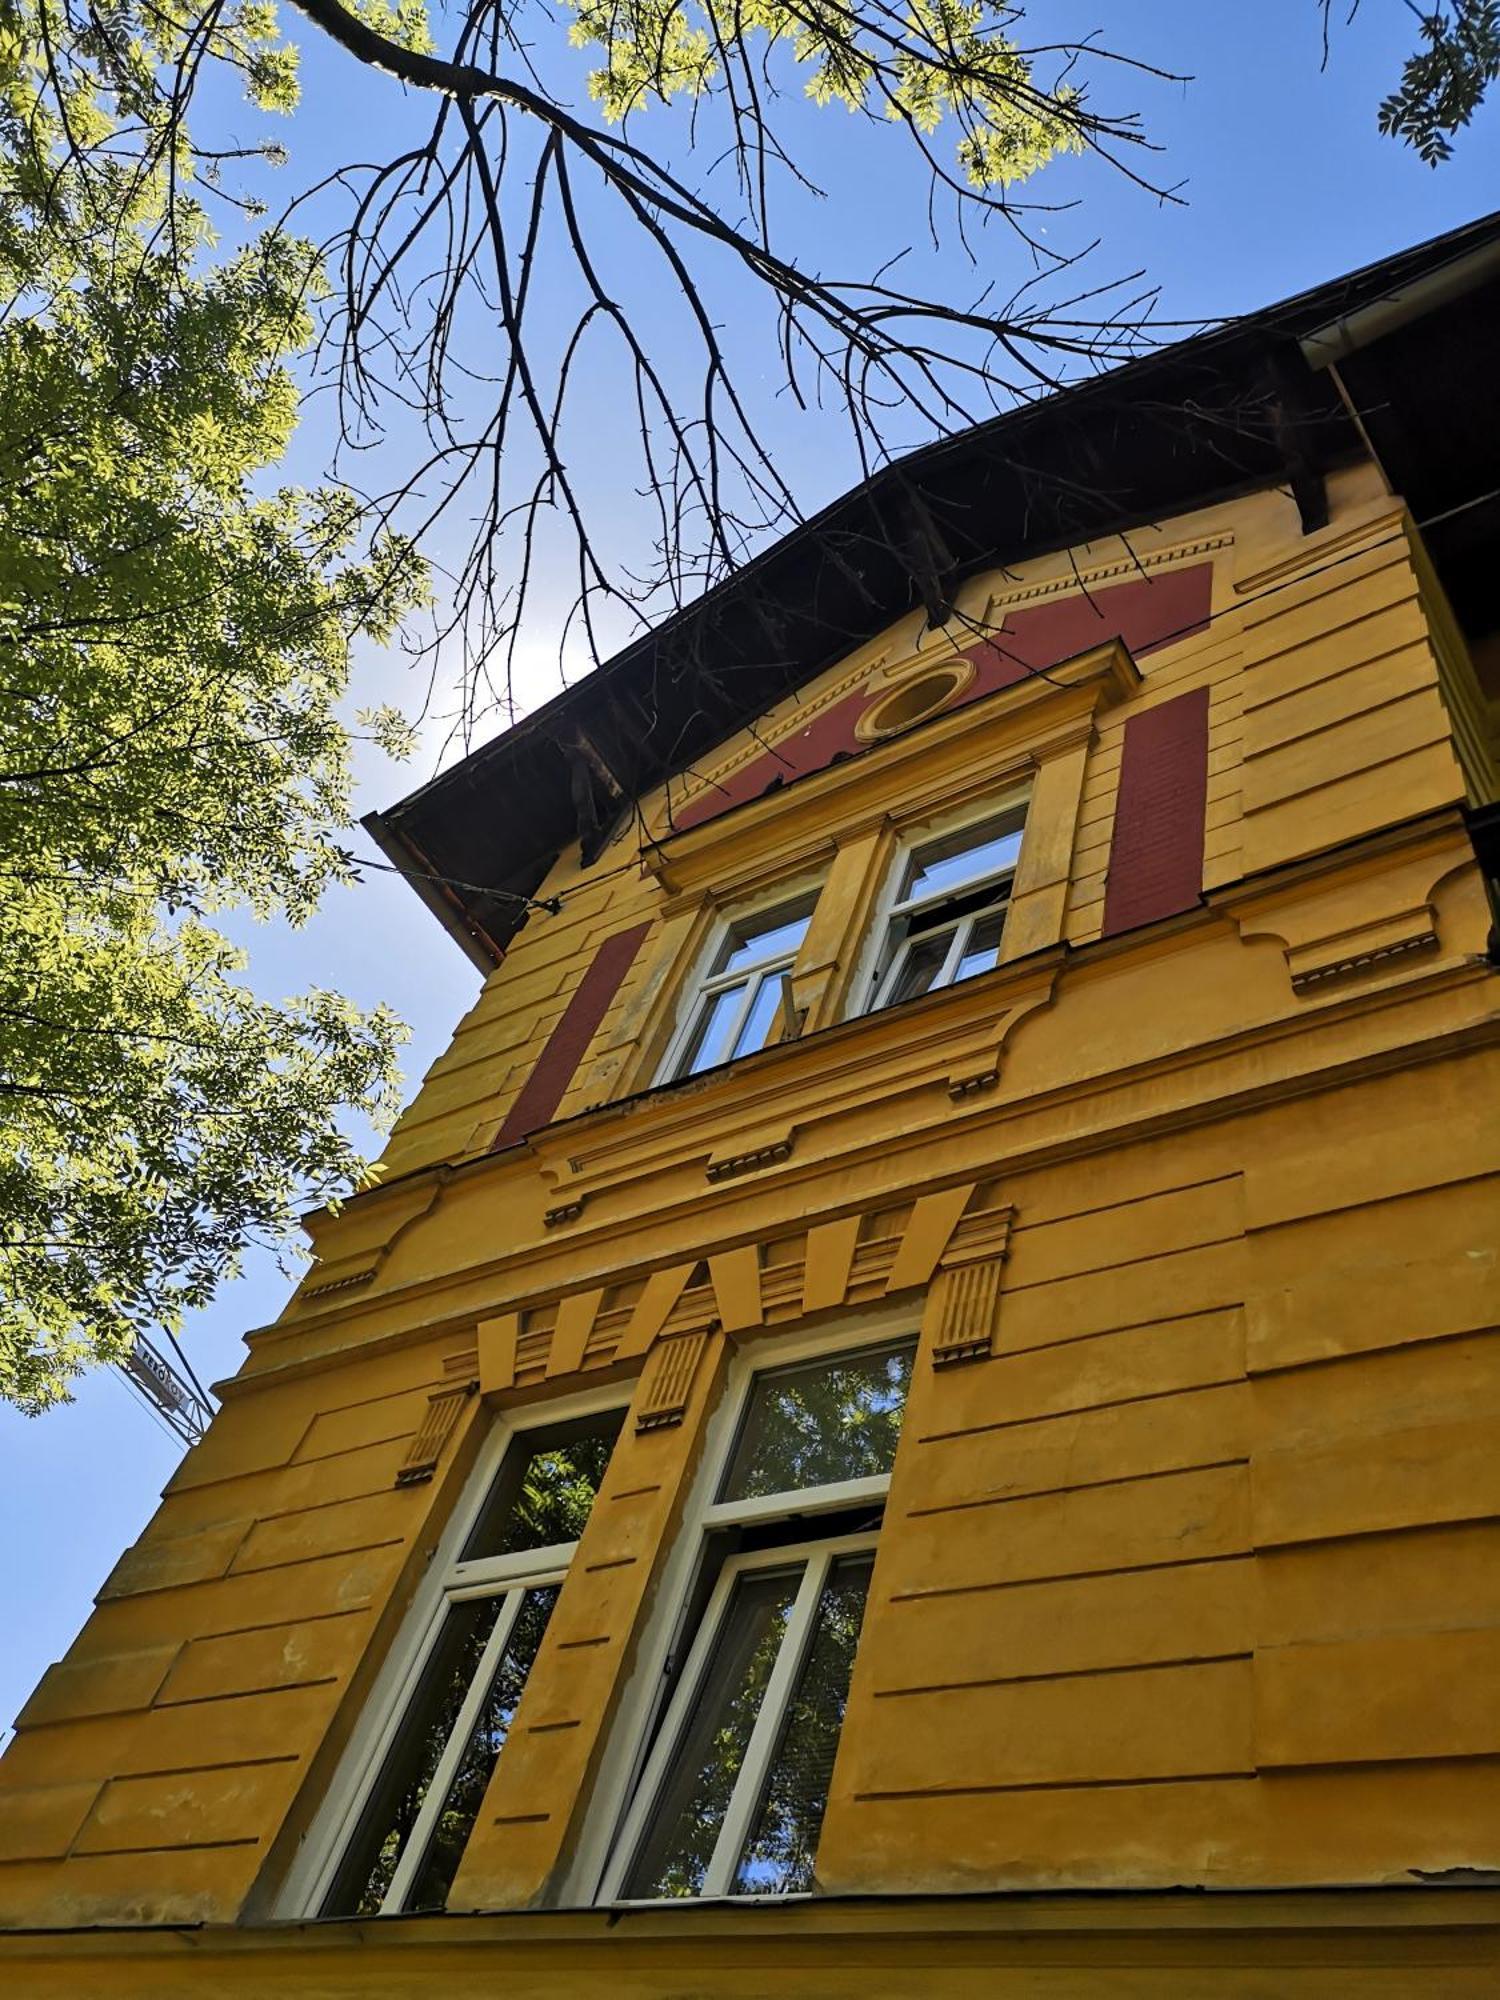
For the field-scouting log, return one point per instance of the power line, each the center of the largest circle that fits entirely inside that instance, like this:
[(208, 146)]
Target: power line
[(552, 905)]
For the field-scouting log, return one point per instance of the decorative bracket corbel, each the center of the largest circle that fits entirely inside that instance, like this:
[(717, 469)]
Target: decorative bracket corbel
[(352, 1241), (964, 1303), (426, 1448), (976, 1068), (667, 1380)]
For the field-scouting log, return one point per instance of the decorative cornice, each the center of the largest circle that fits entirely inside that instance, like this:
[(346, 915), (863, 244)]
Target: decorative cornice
[(733, 1286), (454, 1303), (1350, 926), (313, 1288), (565, 1211), (732, 1165), (1127, 565), (942, 645), (365, 1234), (1361, 961), (1238, 1069)]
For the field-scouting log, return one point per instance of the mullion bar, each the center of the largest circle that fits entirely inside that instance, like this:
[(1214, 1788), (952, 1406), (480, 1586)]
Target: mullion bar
[(891, 978), (487, 1576), (722, 981), (955, 952), (731, 1039), (396, 1719), (415, 1850), (689, 1688), (759, 1751), (910, 906)]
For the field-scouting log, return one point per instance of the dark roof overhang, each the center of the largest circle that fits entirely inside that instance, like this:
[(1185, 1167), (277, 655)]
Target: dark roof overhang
[(1227, 411), (1418, 367)]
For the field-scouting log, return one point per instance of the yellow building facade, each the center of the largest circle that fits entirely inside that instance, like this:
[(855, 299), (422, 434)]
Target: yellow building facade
[(918, 1406)]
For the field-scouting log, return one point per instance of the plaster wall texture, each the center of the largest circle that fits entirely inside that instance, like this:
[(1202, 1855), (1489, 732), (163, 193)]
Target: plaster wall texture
[(1187, 1578)]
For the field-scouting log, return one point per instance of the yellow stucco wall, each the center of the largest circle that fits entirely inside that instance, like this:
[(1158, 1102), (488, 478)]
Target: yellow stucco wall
[(1191, 1581)]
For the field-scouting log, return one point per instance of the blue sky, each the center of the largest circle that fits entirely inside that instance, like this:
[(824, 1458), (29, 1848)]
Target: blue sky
[(1283, 182)]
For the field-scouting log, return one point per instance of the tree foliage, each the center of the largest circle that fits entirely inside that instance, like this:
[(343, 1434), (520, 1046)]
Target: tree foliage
[(174, 643), (175, 629), (1446, 77), (944, 60), (557, 225), (1443, 83)]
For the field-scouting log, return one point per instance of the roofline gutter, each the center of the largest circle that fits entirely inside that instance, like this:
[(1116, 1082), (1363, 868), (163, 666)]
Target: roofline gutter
[(1337, 339)]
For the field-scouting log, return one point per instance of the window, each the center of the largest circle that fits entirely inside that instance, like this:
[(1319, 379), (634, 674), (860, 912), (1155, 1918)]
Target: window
[(741, 998), (418, 1780), (949, 910), (731, 1794)]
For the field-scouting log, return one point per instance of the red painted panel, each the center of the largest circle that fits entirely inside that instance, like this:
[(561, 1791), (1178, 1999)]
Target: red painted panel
[(1156, 855), (1147, 612), (543, 1090)]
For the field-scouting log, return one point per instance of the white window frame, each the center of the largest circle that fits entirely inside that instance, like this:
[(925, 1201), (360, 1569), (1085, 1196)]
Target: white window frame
[(705, 984), (877, 980), (630, 1779), (448, 1581), (817, 1558)]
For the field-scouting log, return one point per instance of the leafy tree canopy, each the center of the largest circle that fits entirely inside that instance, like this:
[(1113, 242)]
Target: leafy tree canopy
[(174, 643), (175, 630), (1444, 82), (1445, 79), (485, 282)]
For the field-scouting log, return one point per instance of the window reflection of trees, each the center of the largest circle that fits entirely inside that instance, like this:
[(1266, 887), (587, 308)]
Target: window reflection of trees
[(364, 1879), (675, 1859), (778, 1857), (538, 1500), (821, 1424), (450, 1835), (544, 1491)]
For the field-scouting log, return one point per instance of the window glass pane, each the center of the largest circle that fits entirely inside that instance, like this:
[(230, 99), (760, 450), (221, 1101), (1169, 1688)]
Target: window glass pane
[(716, 1018), (773, 936), (819, 1422), (545, 1487), (982, 951), (761, 1018), (778, 1856), (945, 866), (673, 1859), (919, 967), (450, 1836), (365, 1873)]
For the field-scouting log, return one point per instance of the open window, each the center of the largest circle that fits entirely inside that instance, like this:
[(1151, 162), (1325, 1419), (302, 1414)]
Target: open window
[(740, 1001), (401, 1813), (948, 914), (731, 1790)]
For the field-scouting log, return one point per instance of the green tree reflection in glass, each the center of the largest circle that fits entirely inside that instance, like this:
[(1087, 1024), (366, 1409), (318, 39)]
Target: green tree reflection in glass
[(690, 1811), (539, 1499), (450, 1835), (820, 1423), (545, 1489), (778, 1856), (390, 1813)]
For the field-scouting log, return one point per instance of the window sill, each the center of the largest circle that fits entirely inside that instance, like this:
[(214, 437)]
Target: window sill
[(652, 1903)]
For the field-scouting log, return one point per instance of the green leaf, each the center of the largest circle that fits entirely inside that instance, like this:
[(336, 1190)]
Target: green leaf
[(175, 643)]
